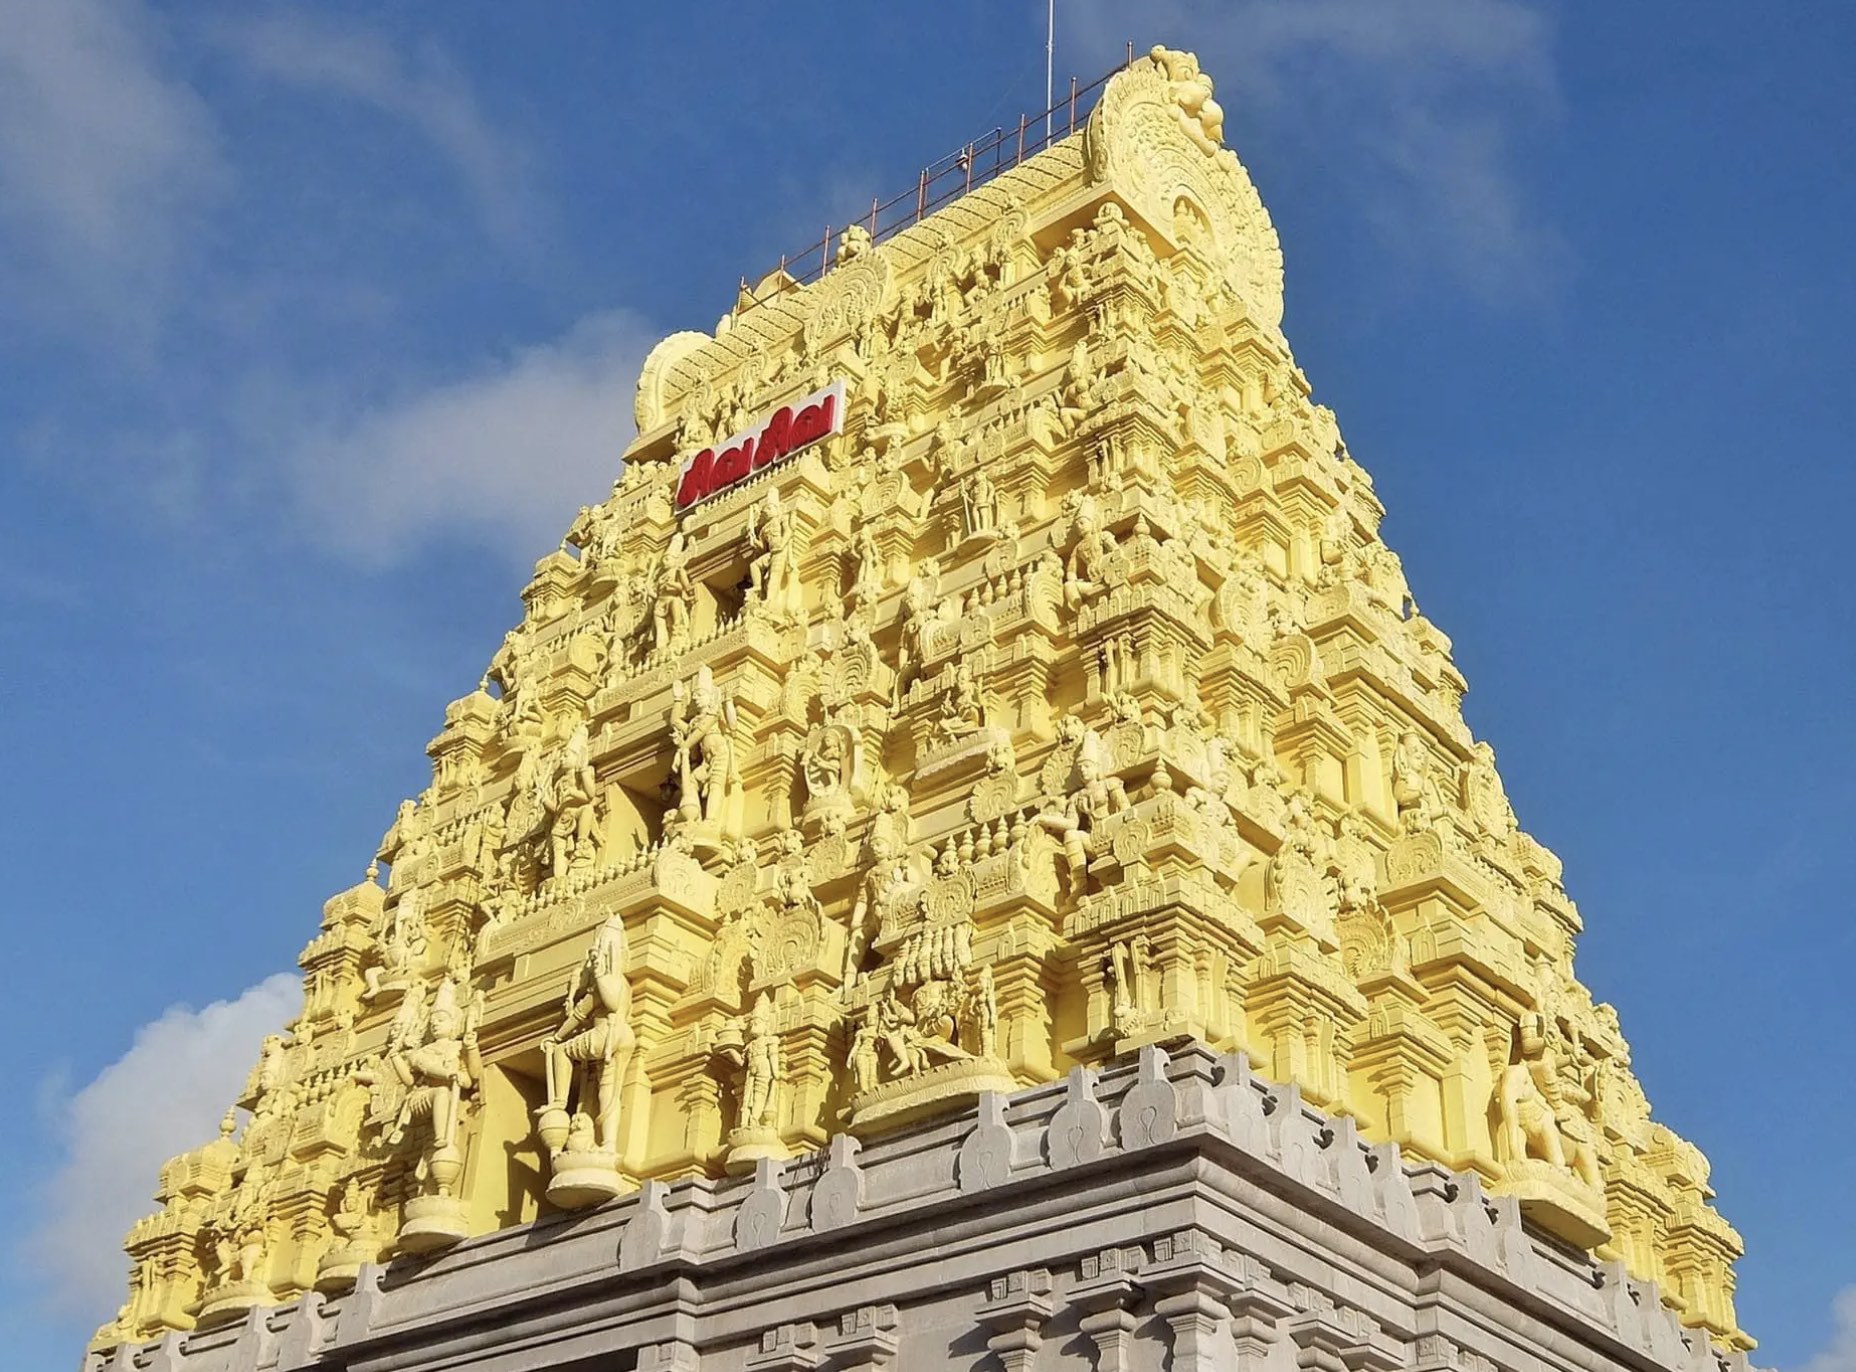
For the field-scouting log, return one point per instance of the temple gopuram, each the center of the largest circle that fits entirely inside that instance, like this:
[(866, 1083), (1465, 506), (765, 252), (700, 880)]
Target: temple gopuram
[(971, 857)]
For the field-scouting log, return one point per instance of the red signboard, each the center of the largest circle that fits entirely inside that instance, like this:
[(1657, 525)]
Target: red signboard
[(783, 433)]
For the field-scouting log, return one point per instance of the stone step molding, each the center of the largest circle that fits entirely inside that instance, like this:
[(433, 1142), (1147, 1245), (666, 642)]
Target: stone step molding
[(1172, 1210)]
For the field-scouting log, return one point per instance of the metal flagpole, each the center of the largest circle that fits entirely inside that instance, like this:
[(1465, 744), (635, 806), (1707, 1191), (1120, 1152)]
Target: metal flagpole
[(1050, 52)]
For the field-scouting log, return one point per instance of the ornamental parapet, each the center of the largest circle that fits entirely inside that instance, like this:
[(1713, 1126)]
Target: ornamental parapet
[(1177, 1207)]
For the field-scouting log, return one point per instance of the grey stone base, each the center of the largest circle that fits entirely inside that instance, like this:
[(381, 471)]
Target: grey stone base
[(1171, 1213)]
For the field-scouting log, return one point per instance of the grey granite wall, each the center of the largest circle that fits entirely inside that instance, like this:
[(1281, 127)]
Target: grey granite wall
[(1172, 1213)]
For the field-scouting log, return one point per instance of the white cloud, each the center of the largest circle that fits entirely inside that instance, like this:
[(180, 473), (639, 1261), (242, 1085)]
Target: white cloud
[(162, 1097), (511, 452), (315, 52), (1417, 108), (1840, 1354), (106, 161)]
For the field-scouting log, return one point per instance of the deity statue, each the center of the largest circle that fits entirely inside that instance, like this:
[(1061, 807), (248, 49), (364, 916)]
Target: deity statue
[(399, 944), (888, 426), (962, 711), (1528, 1097), (1356, 872), (1074, 819), (979, 505), (901, 1039), (1573, 1111), (512, 665), (865, 1069), (1069, 277), (827, 764), (1484, 794), (586, 1058), (524, 720), (708, 776), (1087, 563), (573, 812), (673, 597), (773, 562), (241, 1237), (853, 243), (985, 1014), (1128, 970), (995, 376), (1209, 799), (1336, 546), (891, 889), (1297, 884), (1200, 116), (1079, 385), (792, 888), (1385, 582), (921, 607), (867, 570), (760, 1067), (894, 1023), (267, 1074), (1414, 789), (356, 1241), (436, 1072)]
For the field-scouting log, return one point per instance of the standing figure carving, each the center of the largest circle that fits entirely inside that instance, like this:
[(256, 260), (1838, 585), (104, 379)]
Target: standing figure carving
[(761, 1068), (979, 506), (921, 607), (1527, 1098), (708, 774), (773, 563), (573, 812), (586, 1058), (866, 573), (1128, 970), (433, 1072), (673, 598)]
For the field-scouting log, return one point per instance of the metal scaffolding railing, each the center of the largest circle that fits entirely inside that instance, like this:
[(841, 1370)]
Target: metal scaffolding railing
[(943, 181)]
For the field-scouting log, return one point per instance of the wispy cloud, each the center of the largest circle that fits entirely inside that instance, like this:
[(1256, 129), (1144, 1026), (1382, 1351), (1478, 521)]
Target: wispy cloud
[(108, 163), (1839, 1355), (163, 1096), (420, 86), (1419, 108), (507, 454)]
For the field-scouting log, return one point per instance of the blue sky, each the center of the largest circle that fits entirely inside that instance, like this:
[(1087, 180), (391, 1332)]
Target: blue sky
[(318, 322)]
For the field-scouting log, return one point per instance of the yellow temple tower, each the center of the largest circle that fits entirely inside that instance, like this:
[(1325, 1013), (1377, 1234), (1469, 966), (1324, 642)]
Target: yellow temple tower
[(982, 724)]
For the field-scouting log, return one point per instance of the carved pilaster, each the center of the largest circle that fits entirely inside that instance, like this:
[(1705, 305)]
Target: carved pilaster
[(866, 1339), (1015, 1313)]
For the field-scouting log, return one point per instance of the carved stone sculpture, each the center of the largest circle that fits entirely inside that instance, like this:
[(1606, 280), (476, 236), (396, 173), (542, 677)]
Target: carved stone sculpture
[(752, 1049), (573, 811), (708, 775), (1075, 818), (435, 1075), (773, 561), (1086, 566), (586, 1058), (673, 598)]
